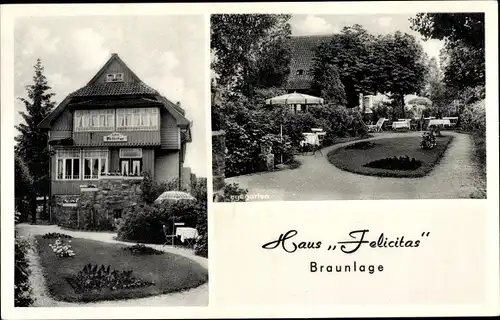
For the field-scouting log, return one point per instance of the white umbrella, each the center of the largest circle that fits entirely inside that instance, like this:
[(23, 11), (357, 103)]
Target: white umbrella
[(294, 98), (174, 196)]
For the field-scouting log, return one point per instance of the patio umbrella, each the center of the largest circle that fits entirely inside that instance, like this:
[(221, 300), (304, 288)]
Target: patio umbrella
[(169, 196), (294, 98), (291, 99), (174, 196)]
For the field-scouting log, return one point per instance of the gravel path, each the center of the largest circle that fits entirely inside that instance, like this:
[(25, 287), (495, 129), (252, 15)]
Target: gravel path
[(455, 176), (194, 297)]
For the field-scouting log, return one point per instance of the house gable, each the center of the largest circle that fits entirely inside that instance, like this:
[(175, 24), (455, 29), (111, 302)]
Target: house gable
[(113, 66), (131, 87)]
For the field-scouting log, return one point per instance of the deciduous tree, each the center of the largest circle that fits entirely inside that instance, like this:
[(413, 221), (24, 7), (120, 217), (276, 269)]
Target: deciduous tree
[(463, 33), (250, 50), (350, 52), (399, 66)]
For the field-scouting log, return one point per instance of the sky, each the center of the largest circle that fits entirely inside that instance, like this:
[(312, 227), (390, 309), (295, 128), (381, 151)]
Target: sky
[(374, 24), (166, 52)]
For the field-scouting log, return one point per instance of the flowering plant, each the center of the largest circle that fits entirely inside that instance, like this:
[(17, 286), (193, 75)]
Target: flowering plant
[(93, 278), (428, 140), (62, 249)]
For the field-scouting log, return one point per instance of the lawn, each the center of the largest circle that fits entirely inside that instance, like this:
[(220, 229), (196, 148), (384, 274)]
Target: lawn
[(169, 272), (354, 159)]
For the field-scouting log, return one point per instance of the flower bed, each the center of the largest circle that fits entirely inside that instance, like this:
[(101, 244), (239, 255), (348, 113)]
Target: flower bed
[(98, 279), (395, 163), (56, 235), (141, 249), (163, 273), (361, 161)]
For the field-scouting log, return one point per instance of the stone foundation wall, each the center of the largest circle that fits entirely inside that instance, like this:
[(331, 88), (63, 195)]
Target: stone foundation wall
[(94, 208)]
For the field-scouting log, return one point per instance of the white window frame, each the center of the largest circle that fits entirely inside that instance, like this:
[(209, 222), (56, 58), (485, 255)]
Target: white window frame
[(130, 159), (137, 119), (85, 116), (137, 151), (99, 155), (60, 156), (115, 77)]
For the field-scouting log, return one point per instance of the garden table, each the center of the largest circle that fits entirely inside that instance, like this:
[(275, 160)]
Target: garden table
[(437, 122), (400, 124), (310, 138), (186, 233)]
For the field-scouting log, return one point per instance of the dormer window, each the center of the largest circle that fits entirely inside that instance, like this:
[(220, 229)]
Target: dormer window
[(300, 72), (114, 77)]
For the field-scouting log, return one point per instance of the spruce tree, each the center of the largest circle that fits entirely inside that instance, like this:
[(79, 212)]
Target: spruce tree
[(32, 143)]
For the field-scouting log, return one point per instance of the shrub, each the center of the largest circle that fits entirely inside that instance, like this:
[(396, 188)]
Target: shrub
[(395, 163), (93, 278), (22, 287), (294, 164), (233, 193), (428, 140), (473, 118), (201, 246), (143, 223), (140, 249), (199, 191), (61, 249), (151, 190), (56, 235), (23, 190), (279, 146)]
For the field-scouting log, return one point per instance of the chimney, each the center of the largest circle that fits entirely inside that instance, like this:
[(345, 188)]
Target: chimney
[(178, 104), (114, 54)]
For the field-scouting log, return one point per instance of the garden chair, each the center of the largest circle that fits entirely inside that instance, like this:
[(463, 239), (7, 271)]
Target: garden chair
[(170, 238), (376, 127), (319, 145)]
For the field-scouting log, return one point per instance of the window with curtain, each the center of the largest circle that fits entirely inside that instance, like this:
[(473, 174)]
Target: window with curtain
[(137, 119), (94, 120), (95, 163), (131, 161), (68, 164)]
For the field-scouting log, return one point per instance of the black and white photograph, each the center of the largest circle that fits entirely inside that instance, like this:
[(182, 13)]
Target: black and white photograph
[(348, 107), (110, 161)]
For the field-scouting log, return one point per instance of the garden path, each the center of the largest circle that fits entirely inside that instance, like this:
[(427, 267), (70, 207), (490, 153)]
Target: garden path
[(317, 179), (194, 297)]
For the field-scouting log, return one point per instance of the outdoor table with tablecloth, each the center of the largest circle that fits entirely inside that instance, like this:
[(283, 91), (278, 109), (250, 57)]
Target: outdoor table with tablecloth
[(437, 122), (400, 124), (310, 138), (186, 233)]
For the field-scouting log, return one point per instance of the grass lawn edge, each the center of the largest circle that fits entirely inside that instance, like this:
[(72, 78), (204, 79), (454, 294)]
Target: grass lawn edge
[(131, 295), (388, 173)]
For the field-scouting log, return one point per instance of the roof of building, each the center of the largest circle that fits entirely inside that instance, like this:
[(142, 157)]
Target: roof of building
[(302, 58), (96, 90), (121, 102), (114, 89)]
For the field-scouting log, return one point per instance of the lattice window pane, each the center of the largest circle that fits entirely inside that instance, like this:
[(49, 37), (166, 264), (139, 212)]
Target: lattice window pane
[(68, 153), (130, 153), (95, 153)]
